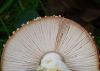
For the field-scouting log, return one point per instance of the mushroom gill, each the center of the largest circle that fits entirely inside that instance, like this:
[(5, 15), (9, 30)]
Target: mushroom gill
[(54, 39)]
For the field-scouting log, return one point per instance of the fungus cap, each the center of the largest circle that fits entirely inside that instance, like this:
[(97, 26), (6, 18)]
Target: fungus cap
[(27, 46)]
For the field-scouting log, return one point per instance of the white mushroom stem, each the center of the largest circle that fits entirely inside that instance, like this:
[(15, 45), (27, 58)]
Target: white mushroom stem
[(52, 62)]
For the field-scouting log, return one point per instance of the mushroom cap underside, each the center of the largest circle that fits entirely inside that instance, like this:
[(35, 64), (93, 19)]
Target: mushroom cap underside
[(24, 50)]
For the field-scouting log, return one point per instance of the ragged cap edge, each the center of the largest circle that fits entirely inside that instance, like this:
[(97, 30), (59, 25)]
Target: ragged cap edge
[(30, 22)]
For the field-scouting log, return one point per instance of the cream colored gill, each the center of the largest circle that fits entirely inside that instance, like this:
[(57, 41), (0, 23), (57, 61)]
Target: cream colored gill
[(52, 62)]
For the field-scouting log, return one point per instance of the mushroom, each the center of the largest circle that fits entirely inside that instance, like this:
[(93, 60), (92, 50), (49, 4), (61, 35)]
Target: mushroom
[(51, 43)]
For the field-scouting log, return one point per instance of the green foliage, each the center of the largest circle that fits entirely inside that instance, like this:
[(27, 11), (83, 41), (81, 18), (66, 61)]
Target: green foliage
[(97, 39), (6, 5)]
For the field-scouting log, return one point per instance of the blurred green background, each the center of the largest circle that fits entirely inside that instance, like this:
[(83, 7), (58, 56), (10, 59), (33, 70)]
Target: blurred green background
[(13, 13)]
